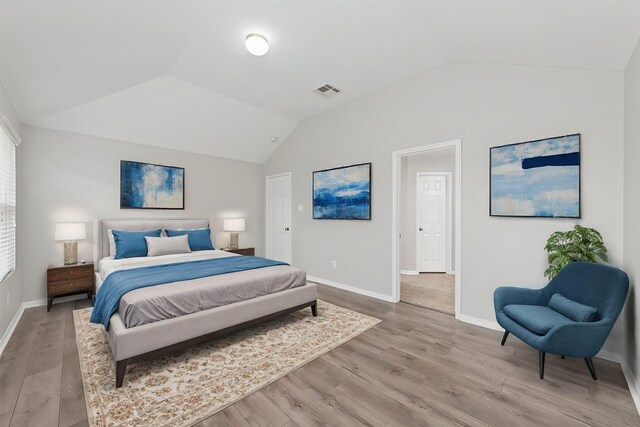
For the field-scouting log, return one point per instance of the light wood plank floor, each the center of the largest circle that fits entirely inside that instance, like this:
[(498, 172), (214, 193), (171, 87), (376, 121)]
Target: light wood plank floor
[(435, 291), (418, 367)]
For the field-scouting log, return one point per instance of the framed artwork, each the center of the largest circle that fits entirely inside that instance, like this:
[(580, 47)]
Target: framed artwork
[(536, 178), (149, 186), (342, 193)]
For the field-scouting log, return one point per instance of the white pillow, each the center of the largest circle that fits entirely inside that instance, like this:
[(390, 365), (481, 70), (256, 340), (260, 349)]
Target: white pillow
[(112, 243), (167, 245)]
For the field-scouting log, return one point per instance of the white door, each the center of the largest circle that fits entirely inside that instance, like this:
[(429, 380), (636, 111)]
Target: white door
[(278, 220), (431, 217)]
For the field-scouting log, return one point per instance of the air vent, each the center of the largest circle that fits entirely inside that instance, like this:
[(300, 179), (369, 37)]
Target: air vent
[(327, 90)]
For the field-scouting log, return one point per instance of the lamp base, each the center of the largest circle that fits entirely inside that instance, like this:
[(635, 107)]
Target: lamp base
[(70, 253), (233, 241)]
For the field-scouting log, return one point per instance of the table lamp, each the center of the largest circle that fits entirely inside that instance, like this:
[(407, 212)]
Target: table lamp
[(70, 233), (234, 225)]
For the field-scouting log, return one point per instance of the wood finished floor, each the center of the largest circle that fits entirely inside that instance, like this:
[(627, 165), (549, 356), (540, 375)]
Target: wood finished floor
[(418, 367)]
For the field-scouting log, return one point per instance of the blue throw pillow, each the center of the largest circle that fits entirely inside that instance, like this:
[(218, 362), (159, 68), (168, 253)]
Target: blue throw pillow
[(199, 240), (573, 310), (131, 244)]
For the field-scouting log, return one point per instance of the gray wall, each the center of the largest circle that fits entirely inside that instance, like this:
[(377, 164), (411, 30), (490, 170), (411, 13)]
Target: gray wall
[(11, 289), (632, 208), (484, 105), (434, 161), (71, 177)]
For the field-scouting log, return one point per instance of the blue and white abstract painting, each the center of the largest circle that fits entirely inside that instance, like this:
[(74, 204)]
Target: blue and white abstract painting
[(342, 193), (537, 179), (148, 186)]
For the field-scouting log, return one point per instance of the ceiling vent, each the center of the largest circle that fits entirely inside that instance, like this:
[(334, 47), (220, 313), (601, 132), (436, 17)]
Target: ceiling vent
[(327, 90)]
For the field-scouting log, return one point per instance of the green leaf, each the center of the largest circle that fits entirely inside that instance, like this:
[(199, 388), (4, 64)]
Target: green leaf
[(580, 244)]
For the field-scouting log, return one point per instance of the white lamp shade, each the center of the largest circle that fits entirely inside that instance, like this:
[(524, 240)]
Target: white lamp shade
[(71, 231), (234, 224)]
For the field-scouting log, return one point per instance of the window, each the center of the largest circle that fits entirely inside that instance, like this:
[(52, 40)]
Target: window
[(7, 200)]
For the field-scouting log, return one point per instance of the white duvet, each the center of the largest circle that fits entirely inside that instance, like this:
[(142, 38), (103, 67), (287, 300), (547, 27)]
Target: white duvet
[(109, 265)]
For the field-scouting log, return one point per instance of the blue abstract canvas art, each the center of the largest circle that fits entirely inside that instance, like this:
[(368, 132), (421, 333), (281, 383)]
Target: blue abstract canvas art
[(537, 178), (342, 193), (149, 186)]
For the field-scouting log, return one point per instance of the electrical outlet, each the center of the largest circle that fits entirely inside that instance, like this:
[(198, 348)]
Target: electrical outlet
[(334, 264), (8, 295), (300, 208)]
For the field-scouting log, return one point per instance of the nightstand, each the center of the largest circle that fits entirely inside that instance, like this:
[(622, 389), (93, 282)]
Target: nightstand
[(242, 251), (68, 280)]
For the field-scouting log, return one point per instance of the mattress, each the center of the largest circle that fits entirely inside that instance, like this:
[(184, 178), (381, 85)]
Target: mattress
[(161, 302)]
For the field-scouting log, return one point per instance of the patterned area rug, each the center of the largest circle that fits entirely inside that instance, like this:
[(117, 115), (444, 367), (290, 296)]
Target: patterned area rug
[(435, 291), (186, 387)]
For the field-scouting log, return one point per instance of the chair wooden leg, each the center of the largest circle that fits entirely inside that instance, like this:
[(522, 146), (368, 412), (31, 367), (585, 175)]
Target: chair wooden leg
[(592, 369), (314, 309), (504, 337), (541, 360)]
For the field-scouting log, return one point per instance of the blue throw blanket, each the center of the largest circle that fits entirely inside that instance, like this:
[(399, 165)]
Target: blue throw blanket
[(120, 282)]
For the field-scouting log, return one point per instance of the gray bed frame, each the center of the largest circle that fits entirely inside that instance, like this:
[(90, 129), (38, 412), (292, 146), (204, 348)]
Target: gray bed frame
[(132, 345)]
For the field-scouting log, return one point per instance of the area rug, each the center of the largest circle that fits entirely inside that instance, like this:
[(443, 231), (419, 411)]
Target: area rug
[(434, 291), (188, 386)]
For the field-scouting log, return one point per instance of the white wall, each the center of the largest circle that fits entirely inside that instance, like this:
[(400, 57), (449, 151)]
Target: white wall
[(10, 289), (434, 161), (72, 177), (484, 105), (632, 209)]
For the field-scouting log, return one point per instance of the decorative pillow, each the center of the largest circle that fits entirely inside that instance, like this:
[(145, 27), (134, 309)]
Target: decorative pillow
[(199, 240), (131, 244), (573, 310), (167, 245)]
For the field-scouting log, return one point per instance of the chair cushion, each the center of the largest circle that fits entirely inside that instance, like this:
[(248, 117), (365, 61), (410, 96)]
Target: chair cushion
[(536, 318), (572, 309)]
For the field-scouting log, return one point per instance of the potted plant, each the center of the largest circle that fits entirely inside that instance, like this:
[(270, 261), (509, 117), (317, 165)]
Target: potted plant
[(579, 244)]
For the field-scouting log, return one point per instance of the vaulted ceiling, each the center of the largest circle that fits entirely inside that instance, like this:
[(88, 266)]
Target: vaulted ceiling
[(175, 73)]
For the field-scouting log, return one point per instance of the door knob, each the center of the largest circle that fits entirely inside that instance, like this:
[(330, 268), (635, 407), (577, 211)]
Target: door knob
[(286, 229), (420, 229)]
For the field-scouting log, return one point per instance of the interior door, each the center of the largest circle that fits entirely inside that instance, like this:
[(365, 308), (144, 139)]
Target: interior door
[(278, 221), (431, 217)]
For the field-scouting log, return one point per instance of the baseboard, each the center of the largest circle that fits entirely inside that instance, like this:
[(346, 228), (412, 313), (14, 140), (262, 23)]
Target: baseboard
[(28, 304), (12, 326), (60, 300), (489, 324), (353, 289), (634, 387), (409, 272), (610, 356)]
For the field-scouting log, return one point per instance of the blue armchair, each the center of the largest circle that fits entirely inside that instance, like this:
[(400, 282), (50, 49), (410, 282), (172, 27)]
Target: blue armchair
[(588, 286)]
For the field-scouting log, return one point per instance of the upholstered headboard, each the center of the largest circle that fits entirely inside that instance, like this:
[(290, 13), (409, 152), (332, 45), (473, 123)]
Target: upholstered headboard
[(102, 225)]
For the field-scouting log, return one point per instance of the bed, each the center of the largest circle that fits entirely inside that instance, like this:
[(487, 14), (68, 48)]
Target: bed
[(158, 319)]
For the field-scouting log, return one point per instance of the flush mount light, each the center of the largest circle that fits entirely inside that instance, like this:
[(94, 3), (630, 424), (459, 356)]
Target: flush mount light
[(257, 44)]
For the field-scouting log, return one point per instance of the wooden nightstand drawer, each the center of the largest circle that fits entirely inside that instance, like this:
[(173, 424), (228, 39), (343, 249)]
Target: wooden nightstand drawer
[(70, 286), (242, 251), (80, 272)]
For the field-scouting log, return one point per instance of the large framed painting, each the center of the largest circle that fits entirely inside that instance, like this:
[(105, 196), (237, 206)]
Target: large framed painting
[(536, 178), (149, 186), (342, 193)]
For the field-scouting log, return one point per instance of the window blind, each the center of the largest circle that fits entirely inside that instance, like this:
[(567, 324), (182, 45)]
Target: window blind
[(7, 203)]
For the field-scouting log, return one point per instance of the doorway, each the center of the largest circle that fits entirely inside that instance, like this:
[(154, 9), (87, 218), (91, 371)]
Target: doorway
[(426, 245), (278, 217)]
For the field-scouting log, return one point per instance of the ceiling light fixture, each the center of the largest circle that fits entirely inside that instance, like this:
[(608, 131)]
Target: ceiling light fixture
[(257, 44)]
